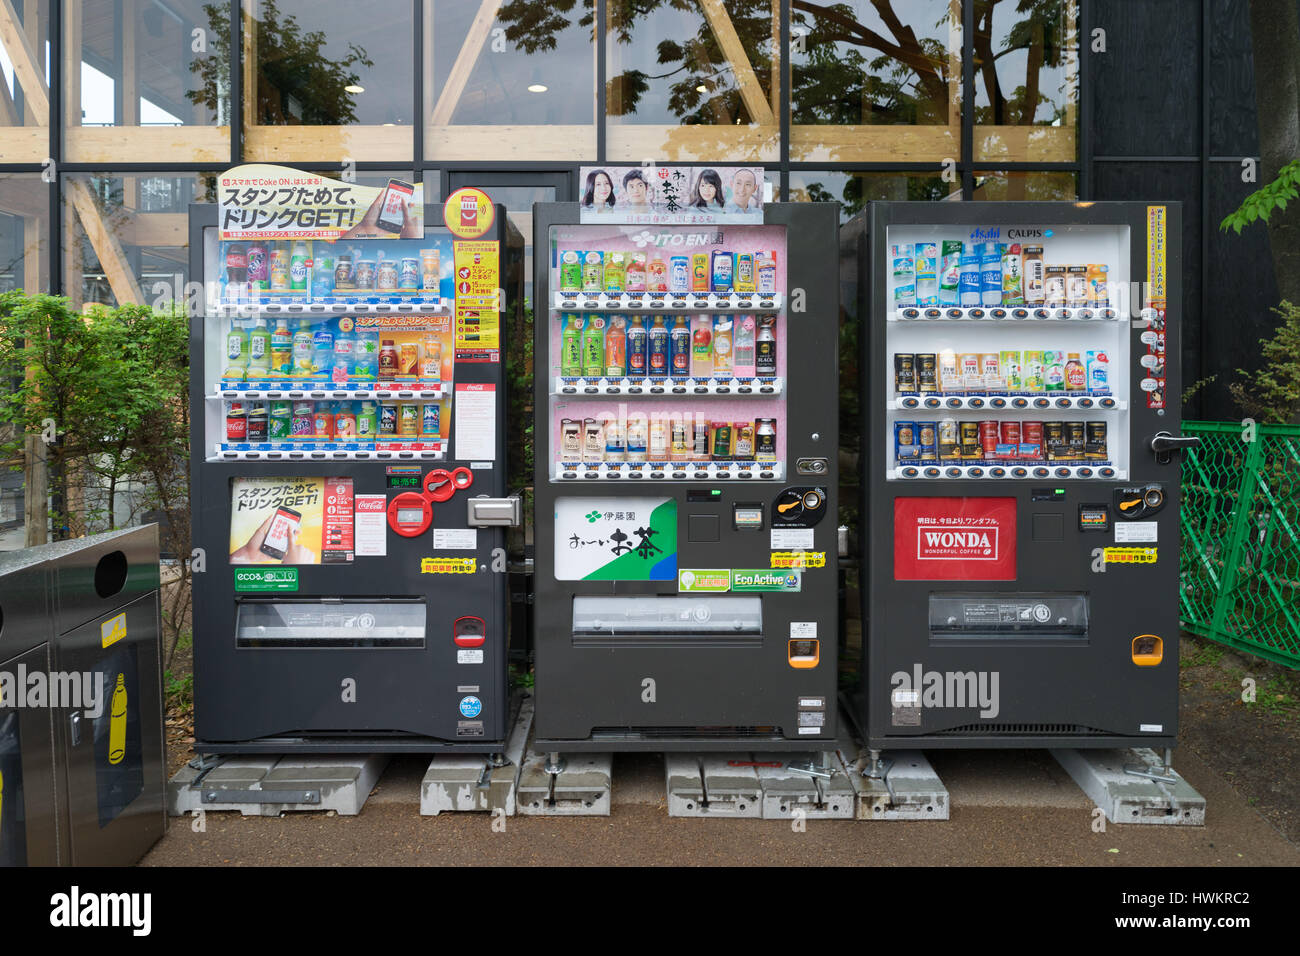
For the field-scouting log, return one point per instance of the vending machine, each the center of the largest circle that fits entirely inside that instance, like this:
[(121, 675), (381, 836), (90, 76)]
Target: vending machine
[(348, 476), (1022, 502), (686, 377)]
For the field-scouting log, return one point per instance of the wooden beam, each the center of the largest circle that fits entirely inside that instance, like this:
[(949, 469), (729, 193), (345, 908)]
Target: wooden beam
[(130, 78), (522, 143), (303, 144), (112, 258), (954, 69), (19, 198), (696, 142), (32, 255), (8, 111), (195, 144), (479, 30), (751, 93), (26, 64), (72, 40)]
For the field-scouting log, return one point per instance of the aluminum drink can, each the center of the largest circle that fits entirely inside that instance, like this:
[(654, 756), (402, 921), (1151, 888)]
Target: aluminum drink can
[(905, 441), (927, 437), (257, 421), (387, 418), (281, 427), (430, 416), (989, 434), (408, 419)]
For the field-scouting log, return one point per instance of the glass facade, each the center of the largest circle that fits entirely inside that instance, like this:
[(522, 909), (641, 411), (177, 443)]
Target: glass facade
[(849, 101)]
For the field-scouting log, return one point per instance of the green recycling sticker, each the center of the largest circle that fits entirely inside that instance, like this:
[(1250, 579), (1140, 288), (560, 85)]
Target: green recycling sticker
[(703, 579), (266, 579)]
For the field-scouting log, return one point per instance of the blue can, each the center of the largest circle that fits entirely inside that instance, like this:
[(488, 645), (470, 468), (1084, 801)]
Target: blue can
[(408, 276), (430, 418), (679, 274)]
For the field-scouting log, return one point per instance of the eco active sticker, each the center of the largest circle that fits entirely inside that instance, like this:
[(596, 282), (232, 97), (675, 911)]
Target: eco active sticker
[(1129, 555), (616, 539), (703, 579), (798, 559), (761, 579), (448, 565), (266, 579)]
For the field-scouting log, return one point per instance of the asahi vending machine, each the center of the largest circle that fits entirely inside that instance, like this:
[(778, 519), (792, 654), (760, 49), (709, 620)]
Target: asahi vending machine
[(686, 374), (1022, 506), (348, 476)]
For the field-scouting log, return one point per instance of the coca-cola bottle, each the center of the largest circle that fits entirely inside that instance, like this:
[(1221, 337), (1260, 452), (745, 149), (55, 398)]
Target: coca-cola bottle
[(236, 273)]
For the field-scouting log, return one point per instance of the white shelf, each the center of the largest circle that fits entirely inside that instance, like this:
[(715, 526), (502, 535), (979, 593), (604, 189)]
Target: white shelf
[(672, 387), (1007, 403), (396, 306), (678, 302), (1002, 470), (323, 391), (307, 451), (1004, 313), (669, 471)]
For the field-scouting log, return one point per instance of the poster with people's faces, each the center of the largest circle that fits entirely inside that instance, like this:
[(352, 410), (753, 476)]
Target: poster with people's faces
[(655, 195)]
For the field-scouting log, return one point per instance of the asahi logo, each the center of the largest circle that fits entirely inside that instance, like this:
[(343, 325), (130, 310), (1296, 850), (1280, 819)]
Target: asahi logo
[(994, 233), (956, 542), (946, 689)]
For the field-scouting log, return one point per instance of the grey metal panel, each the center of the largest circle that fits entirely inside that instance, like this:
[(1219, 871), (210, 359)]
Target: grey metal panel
[(28, 804), (25, 618), (123, 564), (1052, 694), (290, 699), (115, 763), (589, 697)]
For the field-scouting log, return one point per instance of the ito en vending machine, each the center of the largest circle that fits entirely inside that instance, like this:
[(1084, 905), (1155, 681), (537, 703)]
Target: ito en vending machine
[(348, 477), (1022, 499), (686, 376)]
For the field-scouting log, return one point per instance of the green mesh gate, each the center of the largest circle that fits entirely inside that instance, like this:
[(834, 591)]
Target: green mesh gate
[(1240, 560)]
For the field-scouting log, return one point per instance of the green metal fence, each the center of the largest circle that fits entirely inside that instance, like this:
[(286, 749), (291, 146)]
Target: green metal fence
[(1240, 561)]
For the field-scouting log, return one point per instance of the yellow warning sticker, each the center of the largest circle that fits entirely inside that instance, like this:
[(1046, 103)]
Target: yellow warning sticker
[(448, 565), (798, 559), (1130, 555), (112, 630)]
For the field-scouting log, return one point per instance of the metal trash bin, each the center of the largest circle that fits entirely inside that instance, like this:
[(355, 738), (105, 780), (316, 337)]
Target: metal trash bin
[(95, 631)]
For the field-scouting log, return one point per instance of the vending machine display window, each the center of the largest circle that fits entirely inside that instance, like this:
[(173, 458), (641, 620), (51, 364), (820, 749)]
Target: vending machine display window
[(667, 353)]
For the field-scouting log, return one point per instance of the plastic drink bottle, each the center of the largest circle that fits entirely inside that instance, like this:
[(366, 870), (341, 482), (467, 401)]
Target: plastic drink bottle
[(281, 348), (236, 352), (298, 267), (680, 340), (593, 347), (322, 353), (259, 349), (571, 346), (743, 347), (365, 363), (659, 346), (341, 366), (616, 348), (302, 351), (637, 344)]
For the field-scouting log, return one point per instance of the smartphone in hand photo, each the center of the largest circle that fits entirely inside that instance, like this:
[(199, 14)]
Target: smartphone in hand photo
[(280, 534), (391, 218)]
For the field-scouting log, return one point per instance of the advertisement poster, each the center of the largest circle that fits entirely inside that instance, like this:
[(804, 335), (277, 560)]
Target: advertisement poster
[(261, 201), (616, 539), (291, 520), (657, 195), (478, 301), (468, 213), (954, 539)]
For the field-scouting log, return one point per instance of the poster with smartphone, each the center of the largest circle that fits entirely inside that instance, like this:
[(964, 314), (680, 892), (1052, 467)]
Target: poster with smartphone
[(263, 201), (291, 521)]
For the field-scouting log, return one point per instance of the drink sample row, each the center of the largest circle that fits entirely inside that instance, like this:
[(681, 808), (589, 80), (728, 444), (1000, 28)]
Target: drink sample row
[(699, 346), (305, 421), (296, 269), (665, 438), (1011, 372), (993, 274), (328, 351), (614, 273), (969, 442)]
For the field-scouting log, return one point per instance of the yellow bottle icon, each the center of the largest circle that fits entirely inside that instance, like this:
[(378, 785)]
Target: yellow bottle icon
[(117, 723)]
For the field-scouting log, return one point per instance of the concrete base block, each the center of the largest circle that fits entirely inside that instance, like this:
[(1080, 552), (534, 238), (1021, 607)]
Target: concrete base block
[(1127, 798), (713, 785), (824, 794), (908, 788), (475, 782), (581, 788), (270, 786)]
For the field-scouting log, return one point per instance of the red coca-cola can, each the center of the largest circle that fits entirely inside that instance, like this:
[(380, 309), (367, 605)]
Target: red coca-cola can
[(1010, 432), (236, 422), (989, 438)]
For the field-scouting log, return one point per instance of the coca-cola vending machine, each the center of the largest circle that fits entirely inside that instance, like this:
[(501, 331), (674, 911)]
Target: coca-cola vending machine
[(1021, 505)]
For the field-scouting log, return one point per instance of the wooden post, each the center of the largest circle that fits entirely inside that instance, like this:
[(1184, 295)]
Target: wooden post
[(126, 289), (130, 94), (22, 54), (475, 38), (751, 93)]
